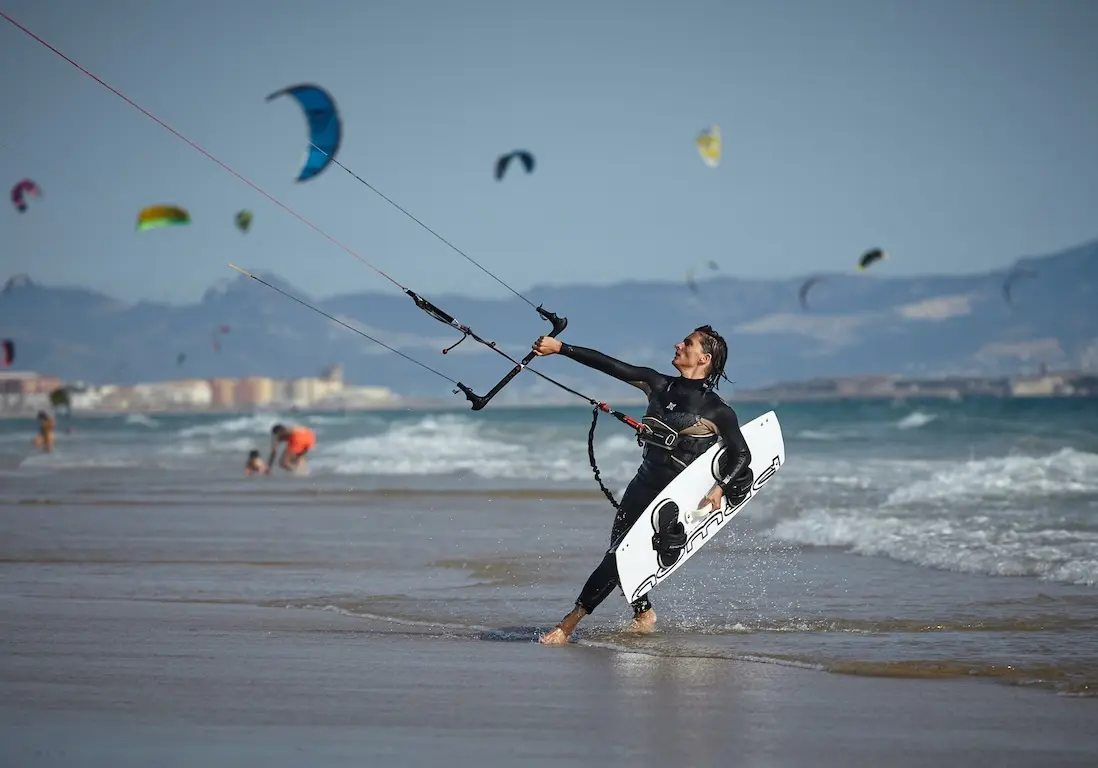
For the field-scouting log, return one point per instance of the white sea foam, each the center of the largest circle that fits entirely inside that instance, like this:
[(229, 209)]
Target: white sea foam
[(260, 424), (817, 434), (915, 419), (451, 444), (1008, 516), (1067, 471), (996, 550)]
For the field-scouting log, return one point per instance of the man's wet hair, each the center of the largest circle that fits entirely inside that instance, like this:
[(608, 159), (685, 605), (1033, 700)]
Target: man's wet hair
[(277, 429), (713, 344)]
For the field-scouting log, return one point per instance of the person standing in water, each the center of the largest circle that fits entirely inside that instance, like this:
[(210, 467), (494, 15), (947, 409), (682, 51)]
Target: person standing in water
[(299, 441), (683, 411), (44, 438)]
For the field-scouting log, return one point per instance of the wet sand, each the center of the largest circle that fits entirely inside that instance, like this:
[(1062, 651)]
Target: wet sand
[(154, 623), (148, 682)]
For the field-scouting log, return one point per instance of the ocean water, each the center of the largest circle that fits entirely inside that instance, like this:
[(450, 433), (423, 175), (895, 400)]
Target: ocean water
[(912, 539)]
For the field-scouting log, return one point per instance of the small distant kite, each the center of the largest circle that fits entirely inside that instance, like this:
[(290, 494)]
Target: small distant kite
[(325, 130), (244, 220), (709, 146), (869, 257), (1009, 282), (503, 161), (805, 288), (157, 216), (21, 190), (691, 273), (7, 353), (181, 358)]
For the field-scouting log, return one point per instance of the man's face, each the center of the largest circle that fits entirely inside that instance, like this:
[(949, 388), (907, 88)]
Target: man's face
[(689, 353)]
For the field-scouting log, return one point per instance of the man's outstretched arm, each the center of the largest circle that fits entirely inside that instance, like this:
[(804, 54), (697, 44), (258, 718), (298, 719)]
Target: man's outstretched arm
[(646, 379)]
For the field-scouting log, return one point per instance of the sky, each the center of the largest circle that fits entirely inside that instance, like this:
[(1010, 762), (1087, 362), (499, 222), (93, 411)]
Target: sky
[(958, 135)]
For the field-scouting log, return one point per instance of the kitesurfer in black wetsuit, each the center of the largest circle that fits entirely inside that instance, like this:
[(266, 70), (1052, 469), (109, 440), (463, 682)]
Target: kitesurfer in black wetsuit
[(685, 416)]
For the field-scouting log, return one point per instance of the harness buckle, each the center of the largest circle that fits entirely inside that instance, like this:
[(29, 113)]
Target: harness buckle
[(656, 434)]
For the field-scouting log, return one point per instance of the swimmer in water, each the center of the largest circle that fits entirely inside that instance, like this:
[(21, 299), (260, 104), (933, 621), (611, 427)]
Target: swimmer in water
[(255, 465)]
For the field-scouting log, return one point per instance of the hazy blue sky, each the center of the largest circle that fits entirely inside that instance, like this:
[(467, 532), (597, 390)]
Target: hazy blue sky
[(957, 134)]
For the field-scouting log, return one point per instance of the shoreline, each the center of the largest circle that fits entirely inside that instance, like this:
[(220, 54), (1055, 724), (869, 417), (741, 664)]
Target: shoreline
[(1070, 384), (237, 682), (438, 406)]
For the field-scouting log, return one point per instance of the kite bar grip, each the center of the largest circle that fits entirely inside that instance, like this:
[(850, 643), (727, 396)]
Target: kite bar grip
[(479, 401), (559, 323), (432, 310)]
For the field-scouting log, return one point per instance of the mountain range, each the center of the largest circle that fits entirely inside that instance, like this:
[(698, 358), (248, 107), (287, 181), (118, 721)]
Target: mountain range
[(855, 323)]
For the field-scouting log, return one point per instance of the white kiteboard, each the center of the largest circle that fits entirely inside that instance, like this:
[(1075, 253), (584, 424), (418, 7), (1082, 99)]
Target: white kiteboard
[(639, 565)]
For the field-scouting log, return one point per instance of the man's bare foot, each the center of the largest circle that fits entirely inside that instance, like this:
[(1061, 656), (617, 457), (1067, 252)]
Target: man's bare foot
[(643, 622), (555, 637), (559, 635)]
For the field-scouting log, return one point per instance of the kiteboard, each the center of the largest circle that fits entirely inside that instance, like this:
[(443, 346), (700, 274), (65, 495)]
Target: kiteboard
[(640, 566)]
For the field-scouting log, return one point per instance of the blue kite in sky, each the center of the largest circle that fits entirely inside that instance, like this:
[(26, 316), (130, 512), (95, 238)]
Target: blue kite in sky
[(324, 127)]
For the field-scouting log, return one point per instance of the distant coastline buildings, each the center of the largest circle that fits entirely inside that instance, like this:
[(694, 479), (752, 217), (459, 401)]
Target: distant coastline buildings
[(22, 392), (1043, 384)]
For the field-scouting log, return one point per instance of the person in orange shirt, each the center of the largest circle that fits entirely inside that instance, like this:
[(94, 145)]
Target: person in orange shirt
[(299, 441)]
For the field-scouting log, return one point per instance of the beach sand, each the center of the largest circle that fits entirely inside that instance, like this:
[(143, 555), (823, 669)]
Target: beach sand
[(143, 632), (177, 683)]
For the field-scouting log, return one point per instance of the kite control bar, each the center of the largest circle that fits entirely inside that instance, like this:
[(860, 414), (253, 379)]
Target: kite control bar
[(479, 401)]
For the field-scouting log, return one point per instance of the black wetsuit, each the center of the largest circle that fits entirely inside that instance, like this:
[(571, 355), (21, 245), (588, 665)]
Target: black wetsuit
[(698, 418)]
